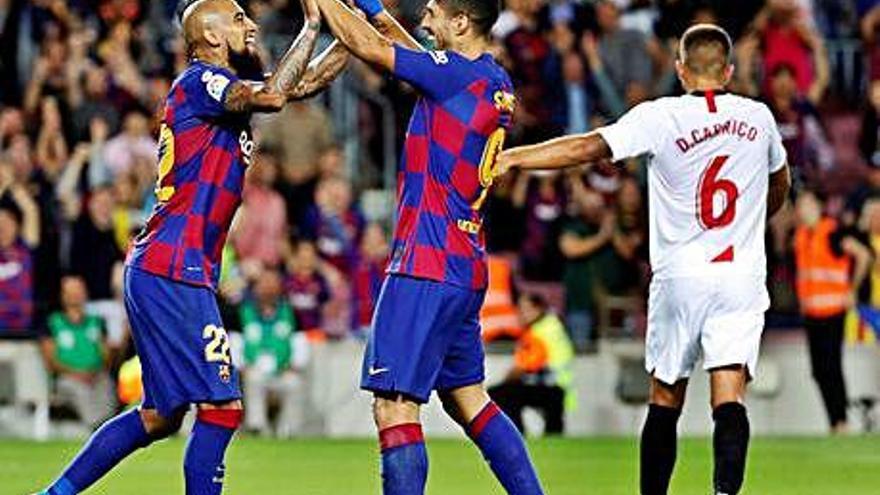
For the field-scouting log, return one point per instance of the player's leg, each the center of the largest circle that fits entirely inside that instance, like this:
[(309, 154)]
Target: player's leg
[(110, 444), (676, 309), (731, 341), (730, 440), (496, 436), (509, 397), (212, 432), (460, 386), (404, 457), (403, 357), (659, 442)]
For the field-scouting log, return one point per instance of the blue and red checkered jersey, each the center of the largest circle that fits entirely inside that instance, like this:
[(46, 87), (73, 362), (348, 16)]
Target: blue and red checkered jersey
[(16, 288), (203, 153), (457, 128)]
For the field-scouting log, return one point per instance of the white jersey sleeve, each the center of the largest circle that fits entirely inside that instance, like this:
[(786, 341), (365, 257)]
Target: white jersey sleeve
[(634, 133)]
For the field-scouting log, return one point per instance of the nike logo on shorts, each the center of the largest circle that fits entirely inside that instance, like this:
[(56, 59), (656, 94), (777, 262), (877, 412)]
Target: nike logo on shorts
[(376, 371)]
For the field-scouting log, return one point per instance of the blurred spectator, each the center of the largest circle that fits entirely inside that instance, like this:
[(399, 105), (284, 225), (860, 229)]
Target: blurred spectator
[(542, 197), (629, 57), (133, 144), (306, 288), (809, 152), (588, 232), (261, 227), (622, 271), (95, 256), (91, 99), (302, 132), (869, 140), (783, 33), (75, 351), (498, 316), (831, 265), (870, 22), (128, 217), (19, 235), (335, 223), (273, 355), (534, 69), (541, 377), (50, 149), (368, 276)]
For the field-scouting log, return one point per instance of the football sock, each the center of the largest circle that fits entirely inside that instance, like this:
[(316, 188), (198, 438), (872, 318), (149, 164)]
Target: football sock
[(404, 460), (659, 449), (731, 443), (112, 442), (503, 447), (203, 466)]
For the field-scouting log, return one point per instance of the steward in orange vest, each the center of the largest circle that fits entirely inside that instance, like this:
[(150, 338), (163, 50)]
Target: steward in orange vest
[(830, 264)]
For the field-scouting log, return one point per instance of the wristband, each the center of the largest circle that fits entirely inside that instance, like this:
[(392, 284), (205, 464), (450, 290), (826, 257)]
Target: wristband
[(370, 7)]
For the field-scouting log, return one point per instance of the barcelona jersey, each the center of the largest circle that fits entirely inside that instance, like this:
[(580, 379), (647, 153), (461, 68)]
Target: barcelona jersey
[(456, 131), (203, 153)]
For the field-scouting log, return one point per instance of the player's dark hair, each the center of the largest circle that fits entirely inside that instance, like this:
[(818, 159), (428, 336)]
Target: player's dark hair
[(706, 49), (483, 13)]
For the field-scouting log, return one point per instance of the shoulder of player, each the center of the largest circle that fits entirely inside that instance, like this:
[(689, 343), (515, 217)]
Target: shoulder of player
[(749, 103), (209, 76)]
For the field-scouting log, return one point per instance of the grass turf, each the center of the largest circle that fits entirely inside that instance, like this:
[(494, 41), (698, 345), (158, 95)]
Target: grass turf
[(784, 466)]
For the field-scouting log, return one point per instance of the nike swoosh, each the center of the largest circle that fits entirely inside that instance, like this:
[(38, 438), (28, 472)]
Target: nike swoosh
[(375, 371)]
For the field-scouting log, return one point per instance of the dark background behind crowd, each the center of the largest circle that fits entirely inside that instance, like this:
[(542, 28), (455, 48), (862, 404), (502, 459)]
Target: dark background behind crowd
[(83, 82)]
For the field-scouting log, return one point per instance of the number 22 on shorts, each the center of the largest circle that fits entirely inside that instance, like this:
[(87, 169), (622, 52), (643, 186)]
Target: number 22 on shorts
[(217, 348)]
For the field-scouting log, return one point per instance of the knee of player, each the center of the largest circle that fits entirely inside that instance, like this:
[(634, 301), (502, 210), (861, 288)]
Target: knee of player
[(389, 412), (671, 396), (159, 427)]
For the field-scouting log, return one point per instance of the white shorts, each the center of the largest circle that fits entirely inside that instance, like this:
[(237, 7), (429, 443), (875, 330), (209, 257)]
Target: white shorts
[(721, 318)]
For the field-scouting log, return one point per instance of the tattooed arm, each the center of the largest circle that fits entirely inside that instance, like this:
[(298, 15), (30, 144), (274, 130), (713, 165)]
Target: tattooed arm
[(391, 28), (322, 70), (243, 97), (293, 64)]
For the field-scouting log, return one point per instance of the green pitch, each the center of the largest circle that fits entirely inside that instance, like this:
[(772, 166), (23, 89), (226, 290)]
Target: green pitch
[(849, 466)]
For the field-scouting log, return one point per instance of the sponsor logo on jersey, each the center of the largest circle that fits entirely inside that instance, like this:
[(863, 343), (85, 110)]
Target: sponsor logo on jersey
[(215, 84)]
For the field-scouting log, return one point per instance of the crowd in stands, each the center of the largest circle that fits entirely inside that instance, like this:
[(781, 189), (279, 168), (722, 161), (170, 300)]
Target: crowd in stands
[(83, 82)]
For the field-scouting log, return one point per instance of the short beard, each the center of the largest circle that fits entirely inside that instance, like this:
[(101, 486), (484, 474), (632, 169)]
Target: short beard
[(247, 65)]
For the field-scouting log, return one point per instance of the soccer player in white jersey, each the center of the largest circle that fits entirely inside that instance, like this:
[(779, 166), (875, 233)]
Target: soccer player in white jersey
[(717, 170)]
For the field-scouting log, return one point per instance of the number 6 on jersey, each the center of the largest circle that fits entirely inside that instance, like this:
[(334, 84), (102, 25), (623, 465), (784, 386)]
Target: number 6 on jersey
[(711, 189)]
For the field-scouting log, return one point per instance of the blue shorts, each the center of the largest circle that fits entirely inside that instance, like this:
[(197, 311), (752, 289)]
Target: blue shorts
[(426, 336), (179, 336)]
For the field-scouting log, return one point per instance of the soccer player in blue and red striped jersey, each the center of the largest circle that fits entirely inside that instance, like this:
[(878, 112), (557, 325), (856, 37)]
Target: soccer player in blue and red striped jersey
[(426, 332), (173, 268)]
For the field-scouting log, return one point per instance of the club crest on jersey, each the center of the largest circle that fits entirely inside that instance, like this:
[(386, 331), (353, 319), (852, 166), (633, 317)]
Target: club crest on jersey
[(439, 57), (504, 101), (215, 84), (224, 373)]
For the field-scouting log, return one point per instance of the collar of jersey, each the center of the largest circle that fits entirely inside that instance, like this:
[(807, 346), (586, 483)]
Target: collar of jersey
[(716, 92)]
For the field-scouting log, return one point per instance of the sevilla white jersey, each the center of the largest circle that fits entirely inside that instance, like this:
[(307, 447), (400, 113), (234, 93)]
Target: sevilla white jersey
[(710, 157)]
